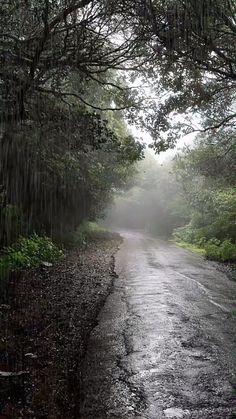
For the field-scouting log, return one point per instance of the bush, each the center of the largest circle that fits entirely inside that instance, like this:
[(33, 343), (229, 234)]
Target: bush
[(92, 229), (87, 231), (223, 252), (215, 249), (188, 234), (212, 251), (29, 253)]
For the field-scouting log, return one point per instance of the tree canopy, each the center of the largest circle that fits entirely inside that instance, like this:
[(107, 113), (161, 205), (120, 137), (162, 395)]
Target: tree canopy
[(72, 71), (183, 49)]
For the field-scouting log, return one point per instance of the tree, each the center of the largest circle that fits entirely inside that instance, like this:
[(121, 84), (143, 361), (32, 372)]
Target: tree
[(193, 42), (42, 43), (50, 184), (207, 174), (61, 154)]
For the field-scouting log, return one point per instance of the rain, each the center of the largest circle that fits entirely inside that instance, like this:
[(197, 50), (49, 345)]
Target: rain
[(117, 209)]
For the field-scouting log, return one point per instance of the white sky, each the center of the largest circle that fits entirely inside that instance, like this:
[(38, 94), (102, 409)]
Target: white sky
[(149, 91), (146, 138)]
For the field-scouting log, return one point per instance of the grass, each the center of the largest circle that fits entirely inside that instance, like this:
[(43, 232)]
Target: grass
[(190, 247)]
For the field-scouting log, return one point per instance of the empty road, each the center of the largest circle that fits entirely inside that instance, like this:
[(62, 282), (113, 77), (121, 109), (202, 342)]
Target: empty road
[(165, 342)]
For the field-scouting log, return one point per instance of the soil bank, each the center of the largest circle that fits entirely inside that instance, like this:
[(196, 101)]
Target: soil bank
[(44, 330)]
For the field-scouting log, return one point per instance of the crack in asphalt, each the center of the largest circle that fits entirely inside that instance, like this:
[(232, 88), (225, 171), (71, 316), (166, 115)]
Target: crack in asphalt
[(159, 350), (137, 394)]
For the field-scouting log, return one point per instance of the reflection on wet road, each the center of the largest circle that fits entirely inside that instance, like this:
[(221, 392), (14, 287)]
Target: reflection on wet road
[(165, 343)]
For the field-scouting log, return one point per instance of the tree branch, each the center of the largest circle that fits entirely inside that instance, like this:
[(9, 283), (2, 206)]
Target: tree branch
[(75, 95)]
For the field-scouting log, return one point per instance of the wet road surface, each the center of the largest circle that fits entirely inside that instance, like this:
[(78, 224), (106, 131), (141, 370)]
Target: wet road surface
[(165, 343)]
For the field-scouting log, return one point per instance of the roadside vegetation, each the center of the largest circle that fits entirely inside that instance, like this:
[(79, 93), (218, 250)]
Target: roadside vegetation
[(75, 76), (190, 198), (29, 252), (73, 73), (207, 173)]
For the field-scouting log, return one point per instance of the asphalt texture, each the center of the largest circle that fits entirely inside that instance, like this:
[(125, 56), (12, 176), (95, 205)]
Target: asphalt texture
[(165, 342)]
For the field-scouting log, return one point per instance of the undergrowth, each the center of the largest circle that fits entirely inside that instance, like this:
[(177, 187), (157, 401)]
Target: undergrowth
[(87, 231), (28, 252), (192, 239)]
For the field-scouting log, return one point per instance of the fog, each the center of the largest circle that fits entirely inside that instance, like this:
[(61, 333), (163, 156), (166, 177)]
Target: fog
[(152, 202)]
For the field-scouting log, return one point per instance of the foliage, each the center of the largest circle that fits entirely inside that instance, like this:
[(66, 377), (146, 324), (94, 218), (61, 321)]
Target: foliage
[(28, 252), (189, 234), (86, 232), (209, 190), (194, 66), (61, 178), (64, 51), (192, 248), (193, 239), (69, 79), (224, 251), (207, 175), (64, 144), (180, 49), (92, 229)]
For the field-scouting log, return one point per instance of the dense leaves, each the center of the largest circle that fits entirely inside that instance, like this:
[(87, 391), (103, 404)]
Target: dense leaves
[(193, 66), (61, 176), (71, 72), (62, 152), (207, 174)]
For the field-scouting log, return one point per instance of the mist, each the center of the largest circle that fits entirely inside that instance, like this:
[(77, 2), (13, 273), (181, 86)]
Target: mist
[(152, 202)]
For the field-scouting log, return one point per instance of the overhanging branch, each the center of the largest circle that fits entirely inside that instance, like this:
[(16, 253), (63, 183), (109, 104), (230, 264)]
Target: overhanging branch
[(75, 95)]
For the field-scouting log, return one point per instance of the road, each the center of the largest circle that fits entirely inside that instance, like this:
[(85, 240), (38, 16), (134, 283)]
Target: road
[(165, 342)]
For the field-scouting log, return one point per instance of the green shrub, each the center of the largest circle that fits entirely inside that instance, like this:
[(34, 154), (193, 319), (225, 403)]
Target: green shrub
[(87, 231), (221, 251), (214, 241), (28, 253), (212, 251), (202, 242), (215, 249), (92, 229), (188, 234)]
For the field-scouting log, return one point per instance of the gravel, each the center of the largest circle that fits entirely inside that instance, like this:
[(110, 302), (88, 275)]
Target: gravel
[(45, 325)]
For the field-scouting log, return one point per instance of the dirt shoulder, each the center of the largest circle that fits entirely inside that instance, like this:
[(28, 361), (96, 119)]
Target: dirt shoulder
[(44, 329)]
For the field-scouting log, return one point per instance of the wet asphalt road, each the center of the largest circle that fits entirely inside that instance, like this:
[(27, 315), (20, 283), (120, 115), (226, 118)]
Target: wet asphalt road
[(165, 343)]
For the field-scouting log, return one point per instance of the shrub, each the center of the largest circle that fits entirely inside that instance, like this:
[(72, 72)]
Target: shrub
[(28, 253), (223, 252), (188, 234), (212, 251), (215, 249), (87, 231)]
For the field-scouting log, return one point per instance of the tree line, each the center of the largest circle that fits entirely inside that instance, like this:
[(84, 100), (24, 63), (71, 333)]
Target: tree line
[(190, 198), (73, 71)]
